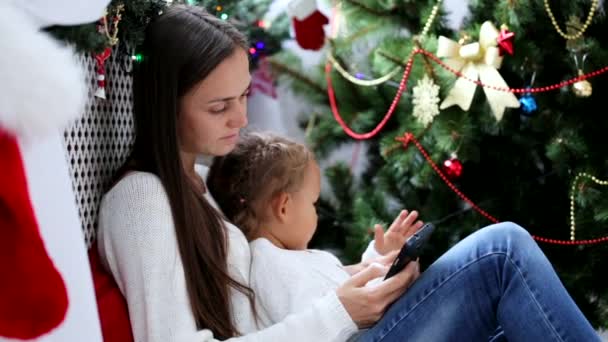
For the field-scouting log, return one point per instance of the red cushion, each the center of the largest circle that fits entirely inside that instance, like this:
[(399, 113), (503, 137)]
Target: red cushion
[(111, 304)]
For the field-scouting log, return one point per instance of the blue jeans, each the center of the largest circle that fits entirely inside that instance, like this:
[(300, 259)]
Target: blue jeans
[(494, 285)]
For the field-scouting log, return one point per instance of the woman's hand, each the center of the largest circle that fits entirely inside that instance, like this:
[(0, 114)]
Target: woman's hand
[(385, 260), (366, 305), (404, 226)]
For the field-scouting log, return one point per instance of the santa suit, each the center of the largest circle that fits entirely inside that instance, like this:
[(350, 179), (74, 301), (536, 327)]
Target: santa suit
[(46, 290)]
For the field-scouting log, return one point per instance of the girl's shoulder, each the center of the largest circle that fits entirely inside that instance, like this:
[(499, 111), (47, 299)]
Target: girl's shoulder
[(264, 252)]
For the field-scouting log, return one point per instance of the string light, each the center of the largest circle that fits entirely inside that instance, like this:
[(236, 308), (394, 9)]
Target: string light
[(262, 23), (387, 116), (594, 6), (358, 78), (572, 192)]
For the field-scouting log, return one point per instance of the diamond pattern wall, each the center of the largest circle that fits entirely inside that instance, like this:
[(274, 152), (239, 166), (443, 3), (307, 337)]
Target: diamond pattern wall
[(99, 141)]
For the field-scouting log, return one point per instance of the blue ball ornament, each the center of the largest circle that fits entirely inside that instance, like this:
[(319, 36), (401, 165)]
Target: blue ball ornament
[(528, 104)]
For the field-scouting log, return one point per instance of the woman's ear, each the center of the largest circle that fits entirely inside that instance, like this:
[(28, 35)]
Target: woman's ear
[(280, 206)]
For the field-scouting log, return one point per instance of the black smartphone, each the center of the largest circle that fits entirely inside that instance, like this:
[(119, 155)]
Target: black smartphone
[(411, 249)]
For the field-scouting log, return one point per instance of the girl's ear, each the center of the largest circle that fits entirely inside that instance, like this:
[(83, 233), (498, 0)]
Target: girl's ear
[(280, 207)]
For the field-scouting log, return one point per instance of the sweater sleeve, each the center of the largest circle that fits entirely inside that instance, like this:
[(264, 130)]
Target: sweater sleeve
[(370, 252), (137, 240), (325, 320), (138, 244)]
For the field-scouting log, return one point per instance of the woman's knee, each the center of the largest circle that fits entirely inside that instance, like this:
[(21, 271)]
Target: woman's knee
[(510, 233)]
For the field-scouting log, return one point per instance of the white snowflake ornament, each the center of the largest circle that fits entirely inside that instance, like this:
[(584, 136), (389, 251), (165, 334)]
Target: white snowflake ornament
[(426, 100)]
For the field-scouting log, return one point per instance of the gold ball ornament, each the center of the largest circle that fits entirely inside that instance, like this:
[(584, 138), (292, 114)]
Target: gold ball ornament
[(582, 88)]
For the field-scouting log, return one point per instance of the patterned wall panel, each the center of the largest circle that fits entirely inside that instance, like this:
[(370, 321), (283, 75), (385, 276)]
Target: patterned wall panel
[(100, 140)]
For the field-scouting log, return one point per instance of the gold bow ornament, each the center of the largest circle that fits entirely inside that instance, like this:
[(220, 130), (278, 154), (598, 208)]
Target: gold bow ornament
[(479, 60)]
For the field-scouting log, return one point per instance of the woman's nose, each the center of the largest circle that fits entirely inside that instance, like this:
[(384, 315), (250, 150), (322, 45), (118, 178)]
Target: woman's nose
[(238, 119)]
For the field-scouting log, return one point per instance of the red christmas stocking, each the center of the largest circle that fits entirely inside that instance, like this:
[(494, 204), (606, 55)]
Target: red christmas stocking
[(309, 32), (33, 296), (307, 23)]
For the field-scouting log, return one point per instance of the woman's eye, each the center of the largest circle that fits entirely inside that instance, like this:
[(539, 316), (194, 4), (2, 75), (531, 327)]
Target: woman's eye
[(218, 110)]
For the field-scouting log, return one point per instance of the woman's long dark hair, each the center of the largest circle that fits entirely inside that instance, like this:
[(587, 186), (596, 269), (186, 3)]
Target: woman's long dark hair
[(181, 47)]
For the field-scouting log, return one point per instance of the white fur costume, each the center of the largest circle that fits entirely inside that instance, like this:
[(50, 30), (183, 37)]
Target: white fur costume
[(41, 90)]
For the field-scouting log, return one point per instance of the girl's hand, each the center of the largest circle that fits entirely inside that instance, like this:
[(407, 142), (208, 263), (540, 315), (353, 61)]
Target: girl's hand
[(404, 226)]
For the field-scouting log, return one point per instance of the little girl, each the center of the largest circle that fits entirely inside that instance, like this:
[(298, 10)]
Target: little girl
[(268, 186)]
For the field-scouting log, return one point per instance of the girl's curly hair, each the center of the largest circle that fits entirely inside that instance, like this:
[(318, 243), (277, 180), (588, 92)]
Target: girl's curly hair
[(261, 166)]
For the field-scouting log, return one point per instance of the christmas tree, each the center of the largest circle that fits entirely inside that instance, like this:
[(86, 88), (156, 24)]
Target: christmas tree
[(125, 22), (500, 120)]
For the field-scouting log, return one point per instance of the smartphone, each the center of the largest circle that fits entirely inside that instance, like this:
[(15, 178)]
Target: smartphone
[(411, 249)]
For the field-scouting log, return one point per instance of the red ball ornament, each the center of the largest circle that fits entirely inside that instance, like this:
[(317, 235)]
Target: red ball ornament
[(452, 168)]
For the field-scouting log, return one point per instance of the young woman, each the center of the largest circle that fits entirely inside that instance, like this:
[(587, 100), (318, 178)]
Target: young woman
[(184, 270)]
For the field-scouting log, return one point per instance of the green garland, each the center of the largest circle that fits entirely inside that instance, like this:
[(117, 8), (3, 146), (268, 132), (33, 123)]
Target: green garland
[(86, 39), (246, 15)]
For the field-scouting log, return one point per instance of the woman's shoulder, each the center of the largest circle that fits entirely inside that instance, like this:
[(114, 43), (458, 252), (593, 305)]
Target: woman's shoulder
[(137, 182), (135, 219), (138, 196), (135, 188)]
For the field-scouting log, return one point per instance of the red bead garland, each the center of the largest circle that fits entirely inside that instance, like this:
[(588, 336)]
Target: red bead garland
[(409, 137), (516, 90), (405, 140), (403, 87), (387, 116)]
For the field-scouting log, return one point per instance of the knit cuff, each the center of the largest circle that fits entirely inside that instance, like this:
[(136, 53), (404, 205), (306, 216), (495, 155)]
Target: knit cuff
[(370, 252), (339, 326)]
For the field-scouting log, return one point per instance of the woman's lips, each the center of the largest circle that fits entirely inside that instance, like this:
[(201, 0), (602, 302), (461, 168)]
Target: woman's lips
[(230, 138)]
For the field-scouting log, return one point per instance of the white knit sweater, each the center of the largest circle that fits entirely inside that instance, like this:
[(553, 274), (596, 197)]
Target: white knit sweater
[(138, 245), (289, 281)]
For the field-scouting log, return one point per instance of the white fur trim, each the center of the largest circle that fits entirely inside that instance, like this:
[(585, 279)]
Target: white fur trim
[(301, 9), (42, 86), (54, 204), (63, 12)]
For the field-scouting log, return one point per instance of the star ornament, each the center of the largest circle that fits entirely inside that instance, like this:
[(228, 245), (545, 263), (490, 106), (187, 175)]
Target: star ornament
[(505, 41)]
